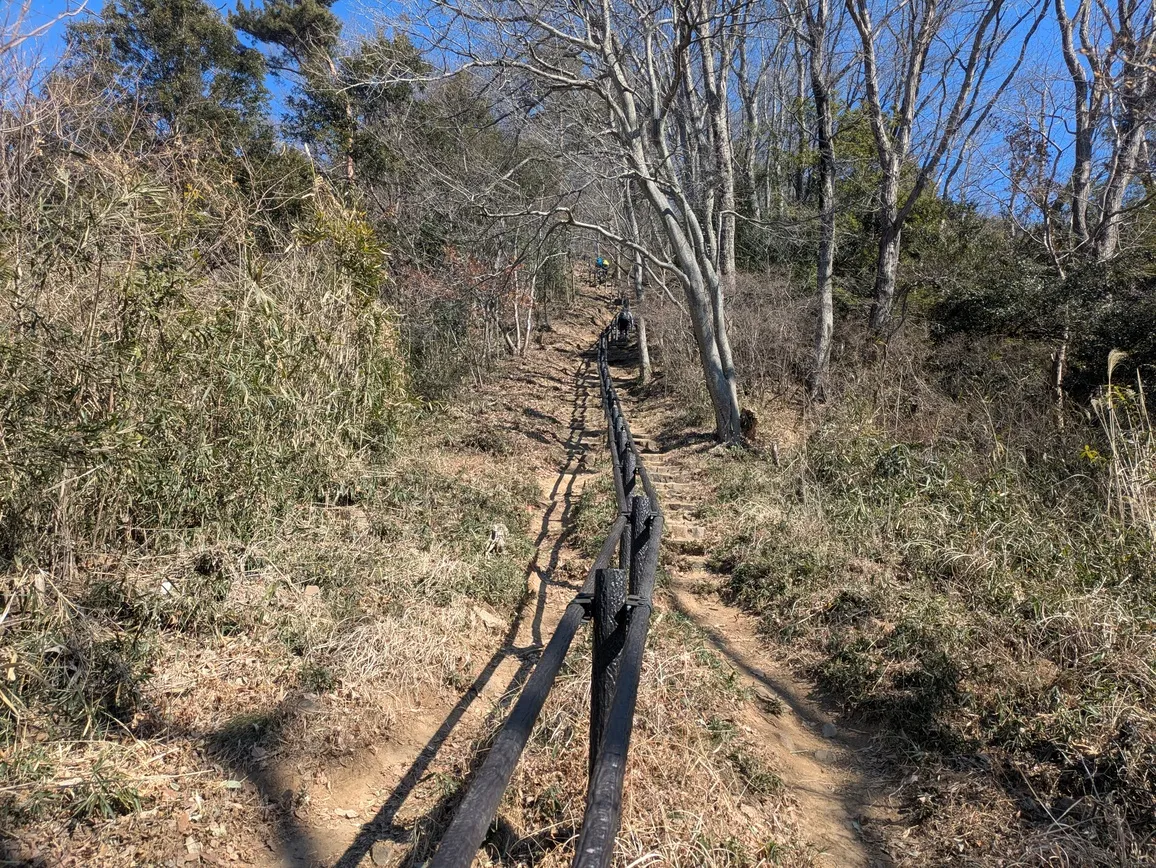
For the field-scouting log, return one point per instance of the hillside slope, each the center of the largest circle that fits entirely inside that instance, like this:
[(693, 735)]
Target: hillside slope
[(342, 673)]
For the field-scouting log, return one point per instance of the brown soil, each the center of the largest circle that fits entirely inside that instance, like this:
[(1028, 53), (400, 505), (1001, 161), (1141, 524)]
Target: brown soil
[(371, 810)]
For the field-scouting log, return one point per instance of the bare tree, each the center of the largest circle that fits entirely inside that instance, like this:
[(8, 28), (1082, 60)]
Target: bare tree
[(1108, 53), (15, 29), (821, 35), (767, 89), (1097, 122), (658, 76), (942, 53), (638, 281)]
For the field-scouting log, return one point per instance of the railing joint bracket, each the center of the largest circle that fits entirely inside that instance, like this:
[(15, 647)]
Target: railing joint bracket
[(586, 601), (633, 601)]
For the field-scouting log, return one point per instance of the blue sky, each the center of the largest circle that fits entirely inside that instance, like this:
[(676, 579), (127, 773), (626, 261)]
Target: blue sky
[(351, 12), (43, 11), (359, 15)]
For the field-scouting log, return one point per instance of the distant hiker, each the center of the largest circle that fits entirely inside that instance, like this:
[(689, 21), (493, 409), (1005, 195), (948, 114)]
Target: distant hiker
[(624, 323), (601, 269)]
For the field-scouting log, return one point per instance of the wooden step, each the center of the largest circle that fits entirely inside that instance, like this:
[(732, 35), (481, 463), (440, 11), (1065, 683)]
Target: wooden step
[(687, 546)]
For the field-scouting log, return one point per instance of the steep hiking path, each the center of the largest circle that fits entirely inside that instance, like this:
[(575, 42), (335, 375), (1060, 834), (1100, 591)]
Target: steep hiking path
[(386, 804), (827, 768), (389, 803)]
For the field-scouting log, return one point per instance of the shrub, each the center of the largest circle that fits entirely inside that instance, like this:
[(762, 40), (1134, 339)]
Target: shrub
[(160, 375), (975, 605)]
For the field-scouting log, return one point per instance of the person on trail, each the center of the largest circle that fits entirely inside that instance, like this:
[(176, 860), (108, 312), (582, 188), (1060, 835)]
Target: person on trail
[(601, 269), (624, 323)]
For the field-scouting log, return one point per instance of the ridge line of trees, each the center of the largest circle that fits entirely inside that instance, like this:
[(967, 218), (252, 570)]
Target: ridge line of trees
[(696, 139)]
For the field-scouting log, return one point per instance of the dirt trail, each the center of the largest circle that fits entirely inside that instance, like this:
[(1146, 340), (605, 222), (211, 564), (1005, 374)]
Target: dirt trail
[(366, 810), (824, 766)]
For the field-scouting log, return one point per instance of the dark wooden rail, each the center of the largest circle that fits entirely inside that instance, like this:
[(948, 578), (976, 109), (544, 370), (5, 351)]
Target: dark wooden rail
[(618, 602)]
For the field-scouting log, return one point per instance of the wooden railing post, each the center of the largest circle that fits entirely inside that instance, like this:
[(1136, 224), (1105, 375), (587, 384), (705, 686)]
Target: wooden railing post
[(618, 601), (609, 616), (624, 545), (639, 527)]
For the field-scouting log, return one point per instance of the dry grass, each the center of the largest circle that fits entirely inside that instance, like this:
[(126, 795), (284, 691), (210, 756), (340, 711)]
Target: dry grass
[(229, 556), (319, 640), (698, 791), (202, 493), (770, 332), (953, 569), (178, 359), (984, 608), (1123, 415)]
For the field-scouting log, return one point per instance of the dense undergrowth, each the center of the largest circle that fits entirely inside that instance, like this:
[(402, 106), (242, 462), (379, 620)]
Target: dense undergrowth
[(217, 493)]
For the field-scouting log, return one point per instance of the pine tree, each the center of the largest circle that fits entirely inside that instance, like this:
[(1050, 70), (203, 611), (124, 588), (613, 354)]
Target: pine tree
[(305, 35), (181, 62)]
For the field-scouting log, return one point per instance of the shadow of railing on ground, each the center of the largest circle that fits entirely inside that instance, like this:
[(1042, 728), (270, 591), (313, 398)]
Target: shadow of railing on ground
[(384, 825)]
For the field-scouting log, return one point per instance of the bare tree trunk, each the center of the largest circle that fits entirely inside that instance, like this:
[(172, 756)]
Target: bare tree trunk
[(772, 187), (720, 378), (644, 369), (1107, 238), (1087, 102), (886, 274), (800, 177), (687, 244), (1081, 181), (702, 305), (516, 347), (1059, 367), (821, 90), (530, 314), (715, 65), (750, 85)]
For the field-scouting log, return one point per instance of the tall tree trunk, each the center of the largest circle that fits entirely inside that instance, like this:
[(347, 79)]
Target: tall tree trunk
[(800, 175), (886, 273), (1087, 100), (1107, 237), (825, 322), (715, 66), (749, 176), (644, 369), (684, 233), (530, 313), (703, 306), (1059, 368), (720, 377)]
